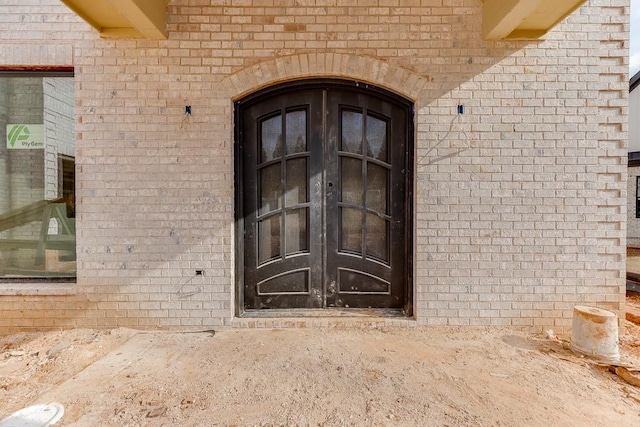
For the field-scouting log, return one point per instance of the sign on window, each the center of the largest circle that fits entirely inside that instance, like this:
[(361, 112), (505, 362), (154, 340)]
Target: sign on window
[(25, 136)]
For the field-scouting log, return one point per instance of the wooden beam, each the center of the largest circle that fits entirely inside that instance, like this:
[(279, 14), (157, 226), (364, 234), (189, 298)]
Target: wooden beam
[(501, 17), (148, 17), (87, 17), (120, 33)]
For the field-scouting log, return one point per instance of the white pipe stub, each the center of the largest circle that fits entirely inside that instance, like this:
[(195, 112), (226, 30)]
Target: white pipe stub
[(42, 415), (594, 333)]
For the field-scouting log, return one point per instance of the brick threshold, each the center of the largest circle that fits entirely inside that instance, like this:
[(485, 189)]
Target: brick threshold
[(324, 318), (332, 312)]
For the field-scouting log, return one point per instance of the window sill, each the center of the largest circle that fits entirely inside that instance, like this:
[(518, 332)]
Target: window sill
[(38, 288)]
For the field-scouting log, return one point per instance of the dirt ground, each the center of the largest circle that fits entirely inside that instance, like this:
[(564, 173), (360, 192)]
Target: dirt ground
[(316, 377), (320, 377)]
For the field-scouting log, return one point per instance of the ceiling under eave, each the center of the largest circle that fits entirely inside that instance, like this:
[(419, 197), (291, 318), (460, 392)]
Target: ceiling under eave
[(124, 18), (501, 19), (523, 19)]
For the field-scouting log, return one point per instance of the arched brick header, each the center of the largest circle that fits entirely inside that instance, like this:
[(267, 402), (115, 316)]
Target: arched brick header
[(311, 65)]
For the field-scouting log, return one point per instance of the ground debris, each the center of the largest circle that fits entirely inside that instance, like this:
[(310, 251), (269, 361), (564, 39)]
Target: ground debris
[(156, 412), (53, 351), (629, 376), (631, 395)]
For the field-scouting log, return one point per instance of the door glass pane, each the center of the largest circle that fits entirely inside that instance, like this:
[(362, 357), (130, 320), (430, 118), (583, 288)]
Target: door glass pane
[(296, 132), (351, 230), (270, 188), (351, 132), (376, 138), (377, 237), (268, 239), (297, 180), (351, 180), (271, 139), (296, 231), (377, 185)]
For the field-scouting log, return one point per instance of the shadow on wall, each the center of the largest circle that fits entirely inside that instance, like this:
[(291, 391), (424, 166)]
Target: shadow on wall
[(165, 207)]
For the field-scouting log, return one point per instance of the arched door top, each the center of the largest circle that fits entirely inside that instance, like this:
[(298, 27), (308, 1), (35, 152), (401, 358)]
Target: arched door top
[(307, 66)]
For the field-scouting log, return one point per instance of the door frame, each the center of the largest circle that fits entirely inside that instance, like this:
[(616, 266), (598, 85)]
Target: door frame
[(315, 83)]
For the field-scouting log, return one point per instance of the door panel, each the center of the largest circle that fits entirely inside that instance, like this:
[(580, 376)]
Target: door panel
[(324, 175), (368, 266), (281, 202)]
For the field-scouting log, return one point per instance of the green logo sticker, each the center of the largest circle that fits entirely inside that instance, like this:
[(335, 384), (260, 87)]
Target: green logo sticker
[(18, 133), (25, 136)]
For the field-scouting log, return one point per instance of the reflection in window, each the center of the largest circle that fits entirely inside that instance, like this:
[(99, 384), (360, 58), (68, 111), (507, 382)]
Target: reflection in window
[(37, 177), (296, 132), (271, 139), (377, 237), (376, 138), (351, 230), (297, 233), (377, 185), (351, 132), (270, 188), (351, 181), (268, 239), (297, 180)]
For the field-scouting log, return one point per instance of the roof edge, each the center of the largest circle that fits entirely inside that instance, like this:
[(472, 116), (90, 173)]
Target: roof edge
[(634, 82)]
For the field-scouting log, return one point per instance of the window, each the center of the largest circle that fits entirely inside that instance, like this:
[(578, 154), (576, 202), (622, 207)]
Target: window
[(37, 176), (637, 196)]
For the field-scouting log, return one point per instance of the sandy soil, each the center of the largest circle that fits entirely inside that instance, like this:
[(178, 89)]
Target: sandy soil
[(316, 377)]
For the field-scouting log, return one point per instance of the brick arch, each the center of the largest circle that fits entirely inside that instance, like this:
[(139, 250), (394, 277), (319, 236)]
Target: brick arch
[(311, 65)]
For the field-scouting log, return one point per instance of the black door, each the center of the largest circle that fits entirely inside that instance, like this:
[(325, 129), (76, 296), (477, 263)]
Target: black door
[(323, 172)]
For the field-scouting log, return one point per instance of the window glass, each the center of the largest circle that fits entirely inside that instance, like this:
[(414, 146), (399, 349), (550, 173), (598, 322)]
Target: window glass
[(296, 132), (351, 132), (638, 197), (37, 177), (271, 139)]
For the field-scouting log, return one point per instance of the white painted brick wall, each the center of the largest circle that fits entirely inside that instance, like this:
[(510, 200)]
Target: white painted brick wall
[(59, 118), (520, 205)]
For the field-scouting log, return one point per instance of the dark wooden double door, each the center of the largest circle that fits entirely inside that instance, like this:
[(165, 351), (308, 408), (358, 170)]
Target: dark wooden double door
[(324, 198)]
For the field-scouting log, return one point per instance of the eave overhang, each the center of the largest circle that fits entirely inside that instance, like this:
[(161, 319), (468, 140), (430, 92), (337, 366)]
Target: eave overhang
[(523, 19), (124, 18), (501, 19)]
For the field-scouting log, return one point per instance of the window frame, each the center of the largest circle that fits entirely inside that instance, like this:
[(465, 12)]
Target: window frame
[(53, 285), (638, 196)]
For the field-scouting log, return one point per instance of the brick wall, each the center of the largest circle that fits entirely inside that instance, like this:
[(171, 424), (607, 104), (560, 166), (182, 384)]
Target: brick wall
[(520, 203)]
